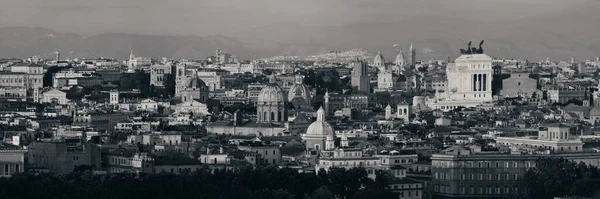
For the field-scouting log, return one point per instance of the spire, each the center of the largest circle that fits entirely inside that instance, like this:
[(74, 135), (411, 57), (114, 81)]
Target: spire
[(131, 55), (411, 47), (321, 114)]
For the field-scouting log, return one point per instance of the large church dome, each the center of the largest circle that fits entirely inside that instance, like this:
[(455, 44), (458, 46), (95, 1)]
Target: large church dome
[(320, 127), (271, 94), (299, 90)]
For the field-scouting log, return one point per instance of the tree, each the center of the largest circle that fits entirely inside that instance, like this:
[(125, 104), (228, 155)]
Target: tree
[(247, 182), (170, 84), (321, 193), (49, 74), (137, 80), (549, 177)]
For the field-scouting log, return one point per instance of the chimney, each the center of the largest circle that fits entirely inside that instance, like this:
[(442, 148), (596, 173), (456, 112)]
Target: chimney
[(207, 151), (221, 150)]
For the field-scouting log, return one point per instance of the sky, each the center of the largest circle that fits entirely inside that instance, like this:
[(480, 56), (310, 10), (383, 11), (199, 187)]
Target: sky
[(210, 17)]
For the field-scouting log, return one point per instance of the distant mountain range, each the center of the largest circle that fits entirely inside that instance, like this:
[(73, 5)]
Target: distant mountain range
[(558, 36)]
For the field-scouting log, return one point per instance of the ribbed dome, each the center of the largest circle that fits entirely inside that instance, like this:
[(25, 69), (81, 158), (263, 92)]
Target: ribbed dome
[(196, 82), (320, 127), (271, 94), (299, 90)]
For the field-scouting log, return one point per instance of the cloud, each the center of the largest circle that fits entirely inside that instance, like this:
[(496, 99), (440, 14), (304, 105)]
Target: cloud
[(205, 17)]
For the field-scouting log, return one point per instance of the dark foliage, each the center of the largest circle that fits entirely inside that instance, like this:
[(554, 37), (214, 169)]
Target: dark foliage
[(554, 177), (169, 84), (137, 80), (264, 183), (47, 79)]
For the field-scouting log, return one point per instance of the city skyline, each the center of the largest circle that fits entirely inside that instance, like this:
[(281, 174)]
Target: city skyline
[(530, 30)]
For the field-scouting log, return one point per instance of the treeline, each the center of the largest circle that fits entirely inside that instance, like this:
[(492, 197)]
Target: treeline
[(247, 183), (554, 177)]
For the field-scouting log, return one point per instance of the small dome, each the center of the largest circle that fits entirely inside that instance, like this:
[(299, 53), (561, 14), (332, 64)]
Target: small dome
[(379, 60), (271, 94), (320, 127), (400, 59), (196, 82)]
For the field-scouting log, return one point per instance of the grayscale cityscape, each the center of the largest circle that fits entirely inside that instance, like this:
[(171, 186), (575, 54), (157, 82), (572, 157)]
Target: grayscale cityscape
[(312, 99)]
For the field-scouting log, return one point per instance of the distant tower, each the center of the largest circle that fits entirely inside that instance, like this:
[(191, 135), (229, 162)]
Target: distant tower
[(360, 78), (326, 104), (572, 60), (36, 95), (388, 112), (404, 112), (413, 55), (131, 55), (344, 141), (180, 78), (329, 143), (57, 53), (547, 60), (218, 55), (114, 97)]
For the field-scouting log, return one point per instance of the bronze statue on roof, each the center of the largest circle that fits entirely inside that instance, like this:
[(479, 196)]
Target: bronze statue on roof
[(473, 50)]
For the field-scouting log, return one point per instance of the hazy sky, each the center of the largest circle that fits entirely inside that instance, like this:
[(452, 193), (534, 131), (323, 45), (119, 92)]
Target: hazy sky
[(206, 17)]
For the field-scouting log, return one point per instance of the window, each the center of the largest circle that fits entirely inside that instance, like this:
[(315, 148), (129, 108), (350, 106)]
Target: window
[(6, 169), (516, 177), (17, 168), (480, 177)]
